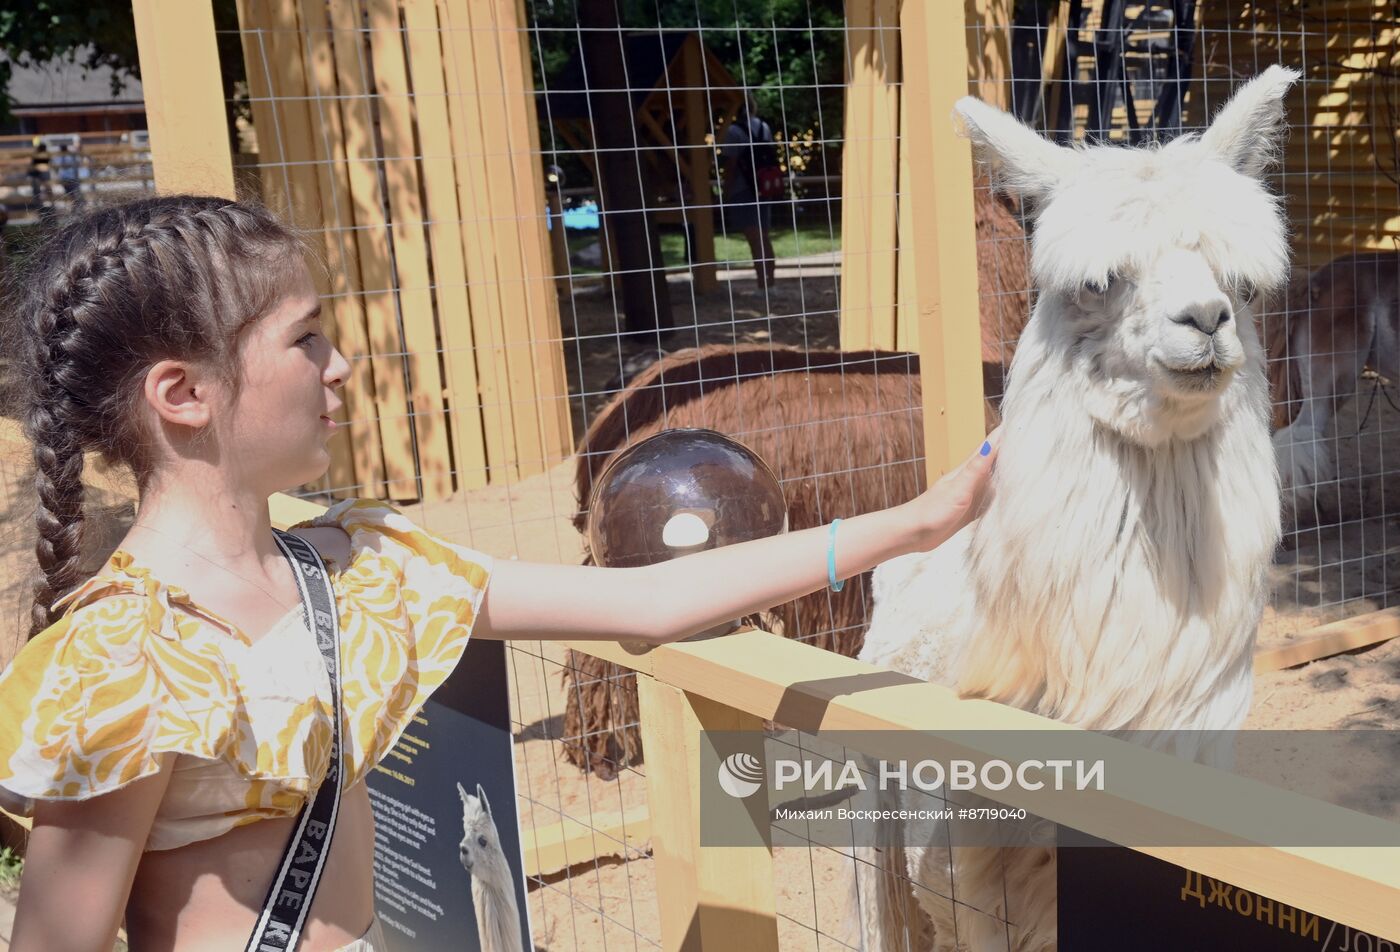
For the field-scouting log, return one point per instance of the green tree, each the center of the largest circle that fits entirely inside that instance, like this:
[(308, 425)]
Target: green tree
[(96, 34), (790, 53)]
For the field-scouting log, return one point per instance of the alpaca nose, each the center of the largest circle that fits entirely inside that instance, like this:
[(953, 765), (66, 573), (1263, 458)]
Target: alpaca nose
[(1206, 318)]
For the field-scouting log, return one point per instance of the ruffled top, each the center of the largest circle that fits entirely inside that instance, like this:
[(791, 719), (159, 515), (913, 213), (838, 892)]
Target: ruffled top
[(134, 668)]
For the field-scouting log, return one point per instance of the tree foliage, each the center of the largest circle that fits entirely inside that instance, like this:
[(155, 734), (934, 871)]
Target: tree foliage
[(94, 34), (789, 53)]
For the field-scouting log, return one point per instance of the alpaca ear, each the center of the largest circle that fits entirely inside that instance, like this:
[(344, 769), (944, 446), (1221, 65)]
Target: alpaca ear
[(461, 792), (1021, 160), (485, 803), (1248, 130)]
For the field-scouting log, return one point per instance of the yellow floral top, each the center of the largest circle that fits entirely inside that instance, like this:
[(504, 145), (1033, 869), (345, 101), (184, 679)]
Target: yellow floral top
[(135, 669)]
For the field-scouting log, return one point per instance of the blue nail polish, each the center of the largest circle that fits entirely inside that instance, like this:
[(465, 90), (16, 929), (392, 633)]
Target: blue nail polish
[(986, 448)]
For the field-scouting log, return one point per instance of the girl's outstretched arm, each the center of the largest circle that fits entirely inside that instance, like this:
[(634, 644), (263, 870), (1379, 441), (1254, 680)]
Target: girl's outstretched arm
[(670, 600)]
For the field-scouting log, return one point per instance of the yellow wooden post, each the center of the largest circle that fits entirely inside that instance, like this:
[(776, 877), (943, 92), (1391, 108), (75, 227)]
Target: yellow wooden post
[(501, 187), (870, 175), (943, 234), (184, 96), (709, 897)]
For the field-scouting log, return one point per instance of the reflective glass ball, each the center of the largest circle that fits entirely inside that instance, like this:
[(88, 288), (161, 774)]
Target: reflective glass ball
[(678, 492)]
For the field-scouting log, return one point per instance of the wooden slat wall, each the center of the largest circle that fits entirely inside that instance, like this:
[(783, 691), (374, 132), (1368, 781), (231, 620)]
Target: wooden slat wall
[(870, 176), (342, 257), (1339, 164), (372, 244), (401, 135), (877, 277), (290, 183), (411, 278)]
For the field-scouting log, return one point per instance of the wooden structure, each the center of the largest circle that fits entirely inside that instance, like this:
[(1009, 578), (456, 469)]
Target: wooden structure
[(908, 247), (682, 98), (1341, 164), (398, 134), (738, 682)]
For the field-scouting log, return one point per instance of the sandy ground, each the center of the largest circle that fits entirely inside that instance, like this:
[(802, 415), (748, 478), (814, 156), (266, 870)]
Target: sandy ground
[(1344, 564)]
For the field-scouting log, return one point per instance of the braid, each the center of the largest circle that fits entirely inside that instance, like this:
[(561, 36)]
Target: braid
[(58, 452), (109, 295)]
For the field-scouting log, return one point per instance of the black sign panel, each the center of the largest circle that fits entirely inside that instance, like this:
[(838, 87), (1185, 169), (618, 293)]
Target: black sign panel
[(1117, 898), (444, 799)]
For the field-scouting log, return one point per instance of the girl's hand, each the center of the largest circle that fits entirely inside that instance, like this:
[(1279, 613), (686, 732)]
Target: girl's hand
[(957, 498)]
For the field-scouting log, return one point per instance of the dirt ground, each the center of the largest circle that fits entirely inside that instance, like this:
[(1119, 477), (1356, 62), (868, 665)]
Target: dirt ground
[(1343, 564)]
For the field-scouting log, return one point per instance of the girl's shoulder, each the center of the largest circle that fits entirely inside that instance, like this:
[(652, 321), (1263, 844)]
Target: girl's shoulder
[(378, 537), (91, 702)]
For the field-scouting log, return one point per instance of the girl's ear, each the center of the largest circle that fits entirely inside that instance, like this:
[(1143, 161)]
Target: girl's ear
[(180, 393)]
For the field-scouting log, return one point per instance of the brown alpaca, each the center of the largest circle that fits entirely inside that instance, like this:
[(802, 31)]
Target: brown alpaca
[(830, 432), (843, 432), (1345, 319), (1003, 286)]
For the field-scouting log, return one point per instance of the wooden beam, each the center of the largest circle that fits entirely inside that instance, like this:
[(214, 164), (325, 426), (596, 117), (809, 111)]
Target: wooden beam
[(184, 96), (808, 689), (709, 897), (944, 235), (551, 846), (989, 50), (550, 394), (870, 176), (1333, 638)]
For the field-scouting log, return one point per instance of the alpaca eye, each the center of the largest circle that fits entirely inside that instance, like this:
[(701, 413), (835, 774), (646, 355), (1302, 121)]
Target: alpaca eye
[(1248, 291), (481, 841), (1095, 286)]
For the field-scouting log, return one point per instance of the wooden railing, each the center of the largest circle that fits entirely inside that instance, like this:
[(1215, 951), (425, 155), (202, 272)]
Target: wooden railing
[(737, 682)]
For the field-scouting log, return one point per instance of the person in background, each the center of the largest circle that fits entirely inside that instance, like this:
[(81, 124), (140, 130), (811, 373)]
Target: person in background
[(68, 163), (39, 171), (751, 178)]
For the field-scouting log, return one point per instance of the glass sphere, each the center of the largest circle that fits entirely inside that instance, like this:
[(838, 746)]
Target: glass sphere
[(678, 492)]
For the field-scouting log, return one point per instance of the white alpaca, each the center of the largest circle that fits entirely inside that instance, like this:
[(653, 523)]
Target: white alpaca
[(493, 887), (1117, 575)]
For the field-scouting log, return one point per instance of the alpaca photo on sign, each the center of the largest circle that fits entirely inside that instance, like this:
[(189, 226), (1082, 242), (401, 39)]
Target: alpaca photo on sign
[(493, 886), (1117, 574)]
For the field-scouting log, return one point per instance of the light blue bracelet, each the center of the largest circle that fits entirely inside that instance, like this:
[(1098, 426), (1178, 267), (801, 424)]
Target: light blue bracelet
[(836, 585)]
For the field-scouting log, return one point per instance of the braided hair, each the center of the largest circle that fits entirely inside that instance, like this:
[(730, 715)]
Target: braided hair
[(102, 300)]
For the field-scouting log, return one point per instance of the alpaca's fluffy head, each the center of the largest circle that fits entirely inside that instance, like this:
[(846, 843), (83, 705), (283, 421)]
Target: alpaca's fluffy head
[(480, 840), (1147, 259)]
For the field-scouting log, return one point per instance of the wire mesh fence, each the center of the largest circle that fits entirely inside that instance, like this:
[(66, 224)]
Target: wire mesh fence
[(551, 229), (557, 228)]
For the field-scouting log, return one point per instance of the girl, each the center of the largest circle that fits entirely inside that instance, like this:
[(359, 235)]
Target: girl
[(170, 715)]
